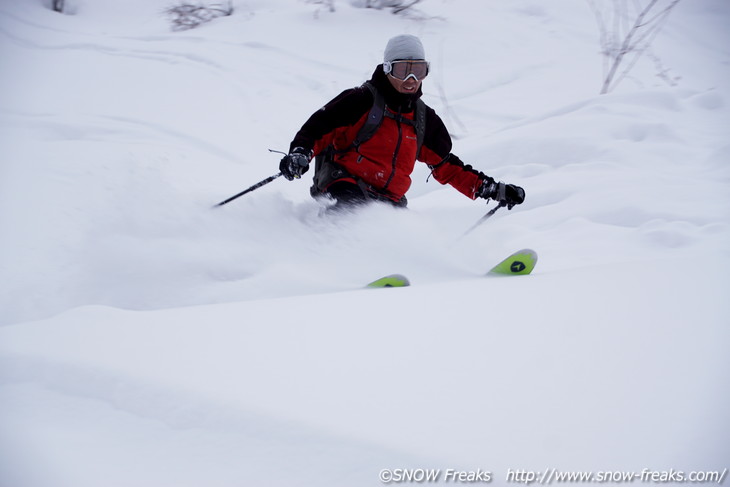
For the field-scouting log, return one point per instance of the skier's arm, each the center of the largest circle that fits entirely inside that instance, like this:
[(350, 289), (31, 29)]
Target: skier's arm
[(446, 167), (344, 110)]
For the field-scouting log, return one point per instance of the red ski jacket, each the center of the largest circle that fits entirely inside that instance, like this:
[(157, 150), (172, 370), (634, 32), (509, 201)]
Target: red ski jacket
[(386, 160)]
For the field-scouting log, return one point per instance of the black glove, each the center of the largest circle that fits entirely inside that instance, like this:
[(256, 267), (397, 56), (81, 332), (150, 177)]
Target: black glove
[(508, 194), (295, 164)]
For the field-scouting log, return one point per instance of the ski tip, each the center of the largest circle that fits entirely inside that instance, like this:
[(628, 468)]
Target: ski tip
[(520, 263), (393, 280)]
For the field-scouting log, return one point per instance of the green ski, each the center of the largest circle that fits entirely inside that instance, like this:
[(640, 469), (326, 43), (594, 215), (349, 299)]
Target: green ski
[(517, 264), (393, 280)]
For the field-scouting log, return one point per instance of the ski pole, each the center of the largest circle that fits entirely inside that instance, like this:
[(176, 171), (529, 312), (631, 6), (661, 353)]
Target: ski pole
[(255, 186), (485, 218)]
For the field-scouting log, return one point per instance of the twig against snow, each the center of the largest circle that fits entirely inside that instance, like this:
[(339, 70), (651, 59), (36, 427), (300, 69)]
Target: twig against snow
[(188, 16)]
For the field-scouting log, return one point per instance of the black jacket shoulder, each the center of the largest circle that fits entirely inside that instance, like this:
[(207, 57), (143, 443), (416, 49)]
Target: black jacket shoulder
[(343, 110)]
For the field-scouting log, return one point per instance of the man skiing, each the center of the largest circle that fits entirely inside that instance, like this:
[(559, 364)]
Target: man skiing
[(367, 139)]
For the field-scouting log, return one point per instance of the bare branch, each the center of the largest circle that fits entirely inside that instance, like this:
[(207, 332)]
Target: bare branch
[(188, 16), (626, 37), (401, 8)]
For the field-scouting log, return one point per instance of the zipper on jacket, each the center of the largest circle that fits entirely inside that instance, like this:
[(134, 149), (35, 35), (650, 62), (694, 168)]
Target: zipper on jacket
[(397, 149)]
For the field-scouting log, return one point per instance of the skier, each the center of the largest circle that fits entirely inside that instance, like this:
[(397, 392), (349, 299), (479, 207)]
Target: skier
[(367, 139)]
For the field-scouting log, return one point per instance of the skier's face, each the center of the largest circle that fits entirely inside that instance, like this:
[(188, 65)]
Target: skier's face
[(408, 86), (406, 75)]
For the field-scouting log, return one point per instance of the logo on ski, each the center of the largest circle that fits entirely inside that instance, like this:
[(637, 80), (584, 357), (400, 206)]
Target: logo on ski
[(517, 266)]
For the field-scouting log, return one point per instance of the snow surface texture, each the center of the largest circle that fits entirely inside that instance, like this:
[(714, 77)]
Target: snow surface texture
[(149, 340)]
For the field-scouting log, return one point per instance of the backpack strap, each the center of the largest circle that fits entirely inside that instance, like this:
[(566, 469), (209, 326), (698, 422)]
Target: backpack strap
[(326, 171), (375, 117), (420, 119)]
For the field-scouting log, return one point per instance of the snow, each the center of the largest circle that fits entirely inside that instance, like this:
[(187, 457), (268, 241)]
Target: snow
[(149, 340)]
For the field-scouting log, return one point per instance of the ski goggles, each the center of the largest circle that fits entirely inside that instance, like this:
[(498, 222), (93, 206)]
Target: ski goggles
[(405, 69)]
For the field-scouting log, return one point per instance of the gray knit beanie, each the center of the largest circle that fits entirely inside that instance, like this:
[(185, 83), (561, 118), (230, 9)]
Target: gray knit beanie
[(404, 47)]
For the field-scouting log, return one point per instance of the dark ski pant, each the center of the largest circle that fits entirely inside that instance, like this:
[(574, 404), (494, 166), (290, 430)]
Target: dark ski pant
[(349, 196)]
